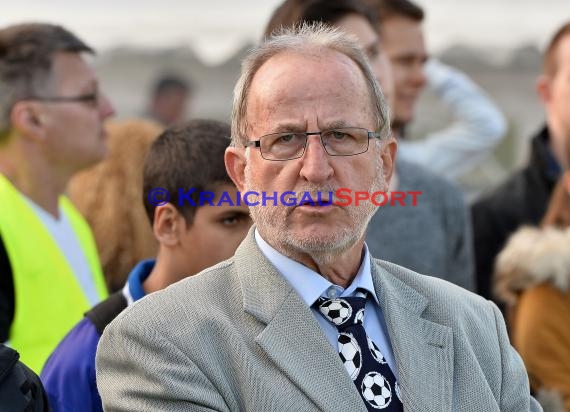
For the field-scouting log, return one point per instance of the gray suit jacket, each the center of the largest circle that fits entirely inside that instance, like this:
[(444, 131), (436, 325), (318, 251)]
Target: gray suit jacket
[(432, 238), (237, 337)]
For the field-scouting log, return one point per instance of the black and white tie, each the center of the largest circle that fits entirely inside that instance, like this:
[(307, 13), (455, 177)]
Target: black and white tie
[(361, 357)]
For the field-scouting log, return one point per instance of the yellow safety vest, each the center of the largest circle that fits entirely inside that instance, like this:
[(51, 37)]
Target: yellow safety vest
[(49, 300)]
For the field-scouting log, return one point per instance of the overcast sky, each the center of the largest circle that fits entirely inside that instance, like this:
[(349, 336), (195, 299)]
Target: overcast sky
[(215, 28)]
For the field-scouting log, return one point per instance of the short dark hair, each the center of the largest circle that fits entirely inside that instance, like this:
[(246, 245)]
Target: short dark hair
[(26, 56), (168, 82), (186, 157), (397, 8), (550, 61), (294, 12)]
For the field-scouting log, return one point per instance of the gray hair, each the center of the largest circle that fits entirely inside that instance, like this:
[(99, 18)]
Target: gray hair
[(304, 39)]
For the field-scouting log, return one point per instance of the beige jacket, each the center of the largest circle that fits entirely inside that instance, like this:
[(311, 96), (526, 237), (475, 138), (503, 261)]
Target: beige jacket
[(237, 337), (532, 276)]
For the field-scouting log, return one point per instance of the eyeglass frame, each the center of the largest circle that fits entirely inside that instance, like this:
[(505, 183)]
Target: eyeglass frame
[(83, 98), (257, 143)]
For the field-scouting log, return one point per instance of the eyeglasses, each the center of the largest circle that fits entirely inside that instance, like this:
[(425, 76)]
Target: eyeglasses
[(343, 141), (85, 98)]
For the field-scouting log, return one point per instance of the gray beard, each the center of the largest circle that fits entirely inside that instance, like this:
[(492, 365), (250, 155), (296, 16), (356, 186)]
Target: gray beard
[(272, 224)]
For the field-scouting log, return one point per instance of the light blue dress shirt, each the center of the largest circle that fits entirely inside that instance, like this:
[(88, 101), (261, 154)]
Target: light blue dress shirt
[(309, 285)]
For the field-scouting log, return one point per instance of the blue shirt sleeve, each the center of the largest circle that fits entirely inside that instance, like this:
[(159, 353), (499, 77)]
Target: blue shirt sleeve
[(69, 374)]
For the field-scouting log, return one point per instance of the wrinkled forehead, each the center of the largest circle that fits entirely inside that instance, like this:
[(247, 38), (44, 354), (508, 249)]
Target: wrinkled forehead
[(298, 75), (302, 61)]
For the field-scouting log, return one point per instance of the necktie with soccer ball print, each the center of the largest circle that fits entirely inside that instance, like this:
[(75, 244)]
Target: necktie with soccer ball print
[(361, 357)]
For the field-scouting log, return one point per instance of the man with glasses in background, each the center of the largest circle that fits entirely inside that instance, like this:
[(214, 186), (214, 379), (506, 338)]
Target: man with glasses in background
[(51, 126), (302, 317)]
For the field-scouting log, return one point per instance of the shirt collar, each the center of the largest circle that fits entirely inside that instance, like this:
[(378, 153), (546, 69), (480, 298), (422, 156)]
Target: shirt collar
[(133, 289), (308, 284)]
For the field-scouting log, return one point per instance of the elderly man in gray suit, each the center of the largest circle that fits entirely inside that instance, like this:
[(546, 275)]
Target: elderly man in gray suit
[(302, 317)]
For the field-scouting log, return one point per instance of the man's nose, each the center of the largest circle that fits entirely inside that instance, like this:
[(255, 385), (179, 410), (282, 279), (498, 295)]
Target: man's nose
[(106, 108), (419, 76), (316, 166)]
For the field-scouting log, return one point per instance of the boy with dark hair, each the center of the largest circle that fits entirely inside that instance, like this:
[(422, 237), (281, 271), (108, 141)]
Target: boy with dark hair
[(191, 238)]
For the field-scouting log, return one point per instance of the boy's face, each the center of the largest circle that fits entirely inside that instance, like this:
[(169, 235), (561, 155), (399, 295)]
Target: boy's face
[(215, 232)]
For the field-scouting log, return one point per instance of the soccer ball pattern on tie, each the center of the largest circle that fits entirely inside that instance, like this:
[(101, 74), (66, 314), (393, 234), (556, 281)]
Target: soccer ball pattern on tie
[(350, 354), (337, 311), (397, 390), (361, 357), (376, 390), (376, 354)]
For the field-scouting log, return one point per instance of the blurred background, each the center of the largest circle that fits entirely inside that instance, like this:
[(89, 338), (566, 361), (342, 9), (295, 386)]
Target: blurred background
[(496, 42)]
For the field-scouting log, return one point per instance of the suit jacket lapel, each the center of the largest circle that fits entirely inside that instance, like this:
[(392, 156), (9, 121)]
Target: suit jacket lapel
[(297, 346), (293, 339), (423, 350)]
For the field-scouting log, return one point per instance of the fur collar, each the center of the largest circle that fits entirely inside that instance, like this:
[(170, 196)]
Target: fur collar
[(533, 256)]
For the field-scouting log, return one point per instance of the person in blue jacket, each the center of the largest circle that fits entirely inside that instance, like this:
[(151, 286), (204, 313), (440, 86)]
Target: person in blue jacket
[(192, 236)]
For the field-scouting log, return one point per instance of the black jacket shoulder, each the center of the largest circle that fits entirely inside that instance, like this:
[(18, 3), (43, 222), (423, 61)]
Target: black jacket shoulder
[(20, 388), (7, 299), (522, 199)]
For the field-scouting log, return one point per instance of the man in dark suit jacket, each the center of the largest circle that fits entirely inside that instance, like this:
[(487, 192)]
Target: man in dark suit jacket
[(309, 118)]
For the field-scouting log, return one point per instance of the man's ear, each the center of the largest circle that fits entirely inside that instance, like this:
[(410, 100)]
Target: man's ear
[(235, 165), (168, 225), (388, 154), (25, 117), (543, 88)]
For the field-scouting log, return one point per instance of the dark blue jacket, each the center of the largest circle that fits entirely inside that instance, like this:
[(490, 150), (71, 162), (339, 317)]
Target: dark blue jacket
[(69, 374)]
